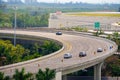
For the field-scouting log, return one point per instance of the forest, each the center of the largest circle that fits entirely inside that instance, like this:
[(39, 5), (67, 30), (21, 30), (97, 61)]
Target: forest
[(10, 54), (23, 20)]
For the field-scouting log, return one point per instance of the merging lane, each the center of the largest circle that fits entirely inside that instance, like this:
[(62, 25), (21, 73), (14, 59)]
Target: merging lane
[(71, 43)]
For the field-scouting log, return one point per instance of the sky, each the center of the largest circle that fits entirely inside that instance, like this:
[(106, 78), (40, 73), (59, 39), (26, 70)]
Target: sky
[(88, 1), (74, 1)]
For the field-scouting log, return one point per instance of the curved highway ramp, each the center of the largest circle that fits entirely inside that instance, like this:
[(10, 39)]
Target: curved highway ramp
[(72, 44)]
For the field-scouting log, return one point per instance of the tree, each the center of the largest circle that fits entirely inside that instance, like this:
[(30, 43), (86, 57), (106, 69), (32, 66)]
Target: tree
[(9, 53), (45, 75), (116, 38), (5, 20), (44, 20), (115, 35), (21, 75), (115, 70), (49, 47), (2, 77)]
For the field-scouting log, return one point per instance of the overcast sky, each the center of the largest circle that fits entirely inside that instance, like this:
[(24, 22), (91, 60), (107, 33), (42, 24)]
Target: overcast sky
[(88, 1), (74, 1)]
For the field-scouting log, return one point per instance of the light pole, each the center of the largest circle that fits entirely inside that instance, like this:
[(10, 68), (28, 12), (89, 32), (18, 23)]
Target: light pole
[(15, 8)]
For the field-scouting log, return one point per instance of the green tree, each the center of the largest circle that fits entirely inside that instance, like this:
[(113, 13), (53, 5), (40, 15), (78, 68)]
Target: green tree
[(49, 47), (115, 70), (21, 75), (5, 20), (116, 35), (2, 77), (10, 53), (44, 20), (45, 75), (109, 36), (116, 38), (2, 52)]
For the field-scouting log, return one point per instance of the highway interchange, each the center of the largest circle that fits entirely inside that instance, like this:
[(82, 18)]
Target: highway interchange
[(72, 44)]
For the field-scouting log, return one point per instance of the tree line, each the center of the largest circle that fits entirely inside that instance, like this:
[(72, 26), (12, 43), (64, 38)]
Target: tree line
[(10, 54), (47, 74), (23, 19)]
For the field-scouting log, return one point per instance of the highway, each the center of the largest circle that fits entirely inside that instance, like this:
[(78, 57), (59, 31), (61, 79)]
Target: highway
[(72, 44)]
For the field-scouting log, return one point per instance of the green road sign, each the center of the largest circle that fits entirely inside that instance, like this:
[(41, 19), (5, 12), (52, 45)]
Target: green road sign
[(97, 25)]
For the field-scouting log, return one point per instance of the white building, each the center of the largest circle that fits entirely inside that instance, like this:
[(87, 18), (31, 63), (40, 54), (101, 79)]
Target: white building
[(30, 1)]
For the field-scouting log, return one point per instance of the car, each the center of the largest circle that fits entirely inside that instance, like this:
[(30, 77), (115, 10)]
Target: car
[(111, 46), (59, 33), (99, 50), (82, 54), (67, 55)]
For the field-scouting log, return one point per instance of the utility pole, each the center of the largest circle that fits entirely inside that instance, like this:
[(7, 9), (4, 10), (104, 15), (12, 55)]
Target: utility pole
[(15, 8)]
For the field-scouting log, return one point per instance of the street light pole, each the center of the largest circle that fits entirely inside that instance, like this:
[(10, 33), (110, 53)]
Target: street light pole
[(15, 26)]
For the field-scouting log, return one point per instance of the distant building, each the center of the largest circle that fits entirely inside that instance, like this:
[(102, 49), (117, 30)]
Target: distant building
[(31, 1), (14, 1)]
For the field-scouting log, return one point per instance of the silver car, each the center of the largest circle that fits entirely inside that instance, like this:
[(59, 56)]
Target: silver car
[(99, 50), (82, 54), (67, 55)]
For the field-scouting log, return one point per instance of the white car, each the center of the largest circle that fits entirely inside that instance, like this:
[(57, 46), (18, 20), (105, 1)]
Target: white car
[(99, 50), (67, 55)]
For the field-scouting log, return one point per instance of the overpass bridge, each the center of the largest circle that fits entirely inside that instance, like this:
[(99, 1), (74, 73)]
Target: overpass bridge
[(72, 44)]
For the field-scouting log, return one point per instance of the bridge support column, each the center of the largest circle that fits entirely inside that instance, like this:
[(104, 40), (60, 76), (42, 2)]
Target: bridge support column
[(97, 71), (58, 76)]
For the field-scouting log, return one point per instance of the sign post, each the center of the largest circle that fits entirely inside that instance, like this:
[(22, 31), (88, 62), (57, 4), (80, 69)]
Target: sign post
[(97, 25)]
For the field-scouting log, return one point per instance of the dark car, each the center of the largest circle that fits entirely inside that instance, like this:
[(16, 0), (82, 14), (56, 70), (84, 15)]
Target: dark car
[(82, 54), (99, 50), (67, 55), (58, 33), (111, 47)]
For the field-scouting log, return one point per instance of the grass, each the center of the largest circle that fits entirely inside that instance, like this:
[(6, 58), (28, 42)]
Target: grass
[(76, 28), (95, 14)]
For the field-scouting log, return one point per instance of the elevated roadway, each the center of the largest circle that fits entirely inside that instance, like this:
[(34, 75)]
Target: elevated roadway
[(72, 44)]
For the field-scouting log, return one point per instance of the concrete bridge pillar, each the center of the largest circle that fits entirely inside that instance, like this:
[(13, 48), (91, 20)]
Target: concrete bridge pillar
[(97, 71), (58, 76)]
